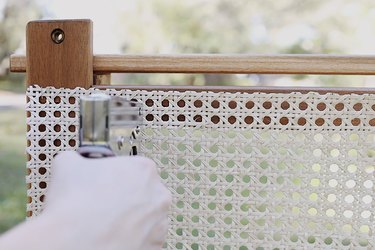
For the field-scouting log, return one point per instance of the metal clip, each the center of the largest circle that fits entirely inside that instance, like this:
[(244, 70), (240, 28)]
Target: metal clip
[(109, 125), (126, 119)]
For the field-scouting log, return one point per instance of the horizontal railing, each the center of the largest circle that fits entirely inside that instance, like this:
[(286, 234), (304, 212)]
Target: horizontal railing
[(226, 64), (246, 89)]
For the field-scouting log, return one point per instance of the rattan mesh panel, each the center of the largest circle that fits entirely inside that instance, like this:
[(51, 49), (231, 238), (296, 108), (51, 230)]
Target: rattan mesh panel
[(246, 170)]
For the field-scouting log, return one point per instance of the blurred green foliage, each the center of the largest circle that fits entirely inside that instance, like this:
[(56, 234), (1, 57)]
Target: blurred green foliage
[(194, 26), (13, 19), (12, 167), (14, 83), (222, 26), (252, 27)]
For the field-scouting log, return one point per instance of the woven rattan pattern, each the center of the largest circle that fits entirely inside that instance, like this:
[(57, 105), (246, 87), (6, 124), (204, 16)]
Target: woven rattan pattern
[(247, 171)]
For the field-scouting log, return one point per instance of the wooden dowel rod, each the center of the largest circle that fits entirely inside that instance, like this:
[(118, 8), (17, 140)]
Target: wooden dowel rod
[(102, 79), (245, 89), (17, 63), (230, 64)]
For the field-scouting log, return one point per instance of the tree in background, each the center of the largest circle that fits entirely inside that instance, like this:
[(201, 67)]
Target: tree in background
[(13, 20), (225, 26), (222, 26), (193, 26)]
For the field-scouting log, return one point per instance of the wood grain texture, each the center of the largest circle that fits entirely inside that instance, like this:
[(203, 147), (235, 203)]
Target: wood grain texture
[(234, 64), (17, 63), (67, 64), (243, 89), (265, 64), (102, 79)]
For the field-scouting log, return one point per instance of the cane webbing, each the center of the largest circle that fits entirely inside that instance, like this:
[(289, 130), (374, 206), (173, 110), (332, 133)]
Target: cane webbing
[(246, 170)]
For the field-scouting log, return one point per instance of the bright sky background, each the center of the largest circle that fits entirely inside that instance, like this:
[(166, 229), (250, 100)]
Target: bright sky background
[(108, 18), (104, 15)]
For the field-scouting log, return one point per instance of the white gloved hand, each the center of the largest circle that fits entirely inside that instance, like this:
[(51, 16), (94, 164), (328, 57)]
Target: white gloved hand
[(108, 203)]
